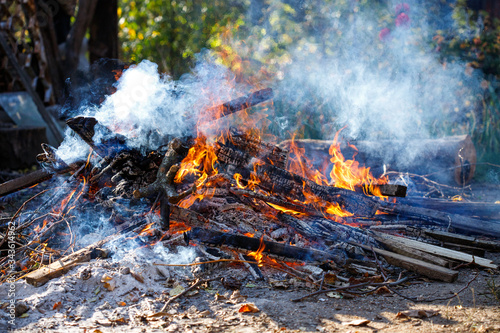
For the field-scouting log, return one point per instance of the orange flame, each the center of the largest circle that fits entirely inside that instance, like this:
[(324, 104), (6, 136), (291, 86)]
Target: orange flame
[(258, 254), (349, 174)]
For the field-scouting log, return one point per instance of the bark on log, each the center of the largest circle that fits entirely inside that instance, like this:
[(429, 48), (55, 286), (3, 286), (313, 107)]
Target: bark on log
[(450, 159), (255, 147), (86, 127), (321, 229), (460, 222), (240, 103)]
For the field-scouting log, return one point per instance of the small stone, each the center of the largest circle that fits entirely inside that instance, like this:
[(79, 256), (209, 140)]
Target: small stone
[(21, 308), (124, 270)]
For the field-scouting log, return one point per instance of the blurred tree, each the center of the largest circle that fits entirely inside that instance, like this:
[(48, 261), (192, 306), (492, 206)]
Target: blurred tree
[(170, 33)]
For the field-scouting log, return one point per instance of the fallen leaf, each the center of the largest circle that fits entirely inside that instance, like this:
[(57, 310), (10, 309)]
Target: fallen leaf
[(250, 285), (57, 305), (104, 322), (176, 291), (416, 314), (160, 314), (137, 276), (383, 290), (357, 322), (248, 308), (334, 294), (24, 315), (121, 303), (330, 278), (97, 290), (93, 299)]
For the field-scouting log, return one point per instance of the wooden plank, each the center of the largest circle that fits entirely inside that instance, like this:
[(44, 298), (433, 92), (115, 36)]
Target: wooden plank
[(414, 253), (418, 266), (437, 250)]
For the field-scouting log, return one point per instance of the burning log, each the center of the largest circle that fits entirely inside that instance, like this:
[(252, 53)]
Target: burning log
[(278, 250), (452, 157), (291, 185)]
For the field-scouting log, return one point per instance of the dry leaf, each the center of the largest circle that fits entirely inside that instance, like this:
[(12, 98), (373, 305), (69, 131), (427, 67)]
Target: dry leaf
[(137, 276), (160, 314), (357, 322), (383, 290), (176, 291), (416, 314), (121, 303), (330, 278), (334, 294), (57, 305), (108, 282), (248, 308)]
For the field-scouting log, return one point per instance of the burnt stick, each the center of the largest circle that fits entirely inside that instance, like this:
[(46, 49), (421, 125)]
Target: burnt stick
[(34, 178), (241, 103), (282, 251)]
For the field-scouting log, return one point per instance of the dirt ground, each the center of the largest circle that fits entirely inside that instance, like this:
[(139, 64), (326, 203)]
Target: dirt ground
[(139, 291)]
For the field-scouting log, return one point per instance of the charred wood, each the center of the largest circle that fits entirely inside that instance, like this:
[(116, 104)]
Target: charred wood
[(243, 243), (291, 185), (241, 103), (483, 210), (34, 178), (449, 237), (86, 127), (459, 222), (327, 230), (255, 147)]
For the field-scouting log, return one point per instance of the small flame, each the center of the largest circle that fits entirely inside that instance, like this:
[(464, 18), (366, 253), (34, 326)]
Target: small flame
[(258, 254), (285, 210)]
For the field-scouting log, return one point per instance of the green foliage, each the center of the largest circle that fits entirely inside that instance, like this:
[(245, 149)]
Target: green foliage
[(476, 40), (170, 33)]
